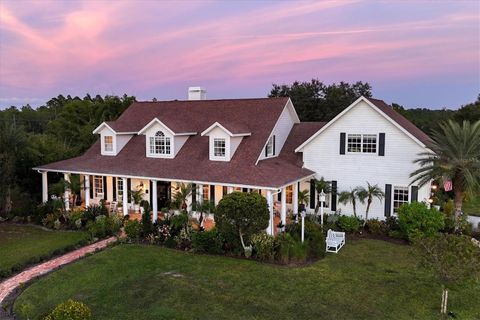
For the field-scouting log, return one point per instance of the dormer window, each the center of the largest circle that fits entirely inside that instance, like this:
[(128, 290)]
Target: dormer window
[(160, 144), (270, 147), (219, 147), (108, 143)]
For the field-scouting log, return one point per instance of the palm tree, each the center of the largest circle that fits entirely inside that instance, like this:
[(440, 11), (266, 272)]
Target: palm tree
[(321, 185), (303, 198), (454, 155), (350, 196), (371, 192), (180, 197)]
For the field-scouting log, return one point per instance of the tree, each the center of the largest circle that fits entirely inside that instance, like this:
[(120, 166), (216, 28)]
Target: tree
[(454, 155), (371, 192), (315, 101), (303, 198), (242, 213), (469, 112), (321, 185), (350, 197), (451, 258), (181, 195)]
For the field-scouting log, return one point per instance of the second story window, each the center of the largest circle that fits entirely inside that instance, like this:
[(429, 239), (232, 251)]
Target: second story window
[(108, 143), (219, 147), (362, 143), (159, 144), (270, 147)]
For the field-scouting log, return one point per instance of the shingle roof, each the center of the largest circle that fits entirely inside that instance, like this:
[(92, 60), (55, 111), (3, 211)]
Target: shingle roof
[(192, 162), (401, 120)]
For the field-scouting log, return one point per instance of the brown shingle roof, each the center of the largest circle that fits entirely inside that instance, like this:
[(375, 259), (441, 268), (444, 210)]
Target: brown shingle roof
[(401, 120), (192, 162)]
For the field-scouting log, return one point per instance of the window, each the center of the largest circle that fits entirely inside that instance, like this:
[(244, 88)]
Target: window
[(159, 144), (358, 143), (98, 187), (119, 189), (400, 196), (219, 147), (108, 143), (369, 143), (270, 147), (206, 189), (289, 194)]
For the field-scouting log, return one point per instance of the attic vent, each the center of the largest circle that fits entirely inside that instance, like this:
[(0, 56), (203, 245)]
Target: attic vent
[(197, 93)]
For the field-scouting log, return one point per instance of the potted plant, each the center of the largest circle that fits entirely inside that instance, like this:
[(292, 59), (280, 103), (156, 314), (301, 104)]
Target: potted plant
[(137, 196), (303, 198)]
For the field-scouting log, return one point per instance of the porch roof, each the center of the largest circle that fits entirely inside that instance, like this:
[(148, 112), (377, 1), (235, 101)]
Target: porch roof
[(193, 164)]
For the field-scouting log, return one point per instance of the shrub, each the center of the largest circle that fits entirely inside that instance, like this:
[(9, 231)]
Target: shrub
[(392, 224), (349, 224), (90, 213), (264, 246), (377, 227), (313, 236), (70, 310), (242, 214), (415, 219), (147, 225), (298, 252), (73, 219), (207, 241), (283, 244), (104, 226), (133, 229), (177, 223)]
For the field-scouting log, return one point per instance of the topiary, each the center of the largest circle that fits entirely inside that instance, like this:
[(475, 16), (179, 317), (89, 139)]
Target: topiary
[(70, 310), (133, 229), (415, 219)]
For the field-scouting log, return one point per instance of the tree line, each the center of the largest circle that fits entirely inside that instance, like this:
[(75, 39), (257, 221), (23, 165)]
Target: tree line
[(62, 128)]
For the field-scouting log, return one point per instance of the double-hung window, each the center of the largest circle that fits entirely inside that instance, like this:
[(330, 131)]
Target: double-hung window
[(108, 143), (400, 196), (289, 194), (219, 147), (120, 189), (160, 144), (362, 143), (98, 186), (270, 147)]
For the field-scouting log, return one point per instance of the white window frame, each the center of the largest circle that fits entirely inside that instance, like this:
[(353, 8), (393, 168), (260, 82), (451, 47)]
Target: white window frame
[(363, 143), (98, 187), (119, 190), (222, 154), (158, 141), (108, 146), (270, 149), (403, 189)]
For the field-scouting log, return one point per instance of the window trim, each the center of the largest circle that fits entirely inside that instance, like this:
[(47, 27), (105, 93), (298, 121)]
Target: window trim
[(362, 137), (165, 138), (96, 188), (109, 144), (407, 188), (215, 140)]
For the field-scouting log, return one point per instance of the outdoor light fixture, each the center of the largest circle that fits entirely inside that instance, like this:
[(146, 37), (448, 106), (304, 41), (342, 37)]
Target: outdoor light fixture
[(434, 187), (430, 200), (322, 201)]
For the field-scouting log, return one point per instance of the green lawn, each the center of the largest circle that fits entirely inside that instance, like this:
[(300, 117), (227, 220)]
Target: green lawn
[(23, 244), (368, 279)]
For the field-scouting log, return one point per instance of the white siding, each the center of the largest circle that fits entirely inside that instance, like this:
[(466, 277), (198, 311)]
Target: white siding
[(219, 133), (282, 129), (322, 155), (122, 140), (176, 142)]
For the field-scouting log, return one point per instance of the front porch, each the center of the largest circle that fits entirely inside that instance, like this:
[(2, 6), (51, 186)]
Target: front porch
[(118, 193)]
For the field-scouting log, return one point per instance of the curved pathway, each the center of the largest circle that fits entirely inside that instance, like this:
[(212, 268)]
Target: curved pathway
[(7, 286)]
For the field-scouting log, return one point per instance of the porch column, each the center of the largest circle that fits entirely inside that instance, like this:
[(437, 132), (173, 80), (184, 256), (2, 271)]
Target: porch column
[(44, 186), (87, 190), (283, 212), (66, 197), (229, 190), (154, 200), (295, 198), (125, 197), (200, 193), (270, 209)]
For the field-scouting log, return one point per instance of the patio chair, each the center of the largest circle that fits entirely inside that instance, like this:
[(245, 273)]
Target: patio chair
[(335, 241)]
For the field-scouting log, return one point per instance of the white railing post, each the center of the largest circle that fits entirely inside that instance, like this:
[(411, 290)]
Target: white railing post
[(295, 198), (270, 209), (283, 213)]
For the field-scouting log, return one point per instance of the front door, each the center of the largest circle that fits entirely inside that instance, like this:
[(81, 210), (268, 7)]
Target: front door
[(163, 194)]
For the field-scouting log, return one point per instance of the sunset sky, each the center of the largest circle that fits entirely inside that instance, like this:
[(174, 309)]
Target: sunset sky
[(415, 53)]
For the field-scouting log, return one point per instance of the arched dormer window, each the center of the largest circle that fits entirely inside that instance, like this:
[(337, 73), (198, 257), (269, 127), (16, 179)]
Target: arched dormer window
[(159, 143)]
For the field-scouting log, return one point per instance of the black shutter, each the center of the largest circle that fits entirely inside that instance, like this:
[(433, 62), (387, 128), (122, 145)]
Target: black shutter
[(388, 200), (273, 144), (279, 196), (92, 182), (105, 188), (244, 189), (312, 194), (212, 194), (150, 188), (224, 190), (342, 142), (381, 145), (414, 196), (129, 187), (333, 206), (194, 196), (266, 150), (114, 188)]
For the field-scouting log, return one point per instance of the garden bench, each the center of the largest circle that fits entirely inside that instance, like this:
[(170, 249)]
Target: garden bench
[(335, 241)]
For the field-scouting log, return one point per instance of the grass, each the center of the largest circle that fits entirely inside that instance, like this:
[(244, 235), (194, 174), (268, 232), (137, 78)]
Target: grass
[(472, 206), (368, 279), (21, 245)]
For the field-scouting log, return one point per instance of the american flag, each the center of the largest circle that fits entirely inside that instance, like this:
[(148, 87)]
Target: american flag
[(447, 185)]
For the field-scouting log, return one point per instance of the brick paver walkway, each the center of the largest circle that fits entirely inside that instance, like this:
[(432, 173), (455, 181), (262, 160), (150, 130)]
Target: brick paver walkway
[(7, 286)]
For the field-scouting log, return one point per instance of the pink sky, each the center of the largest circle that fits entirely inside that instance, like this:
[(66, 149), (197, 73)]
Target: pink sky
[(415, 53)]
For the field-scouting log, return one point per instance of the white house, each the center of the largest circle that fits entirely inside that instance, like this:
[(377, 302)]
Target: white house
[(257, 145)]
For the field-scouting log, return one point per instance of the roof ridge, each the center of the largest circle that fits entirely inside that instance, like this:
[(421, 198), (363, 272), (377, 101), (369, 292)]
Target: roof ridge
[(210, 100)]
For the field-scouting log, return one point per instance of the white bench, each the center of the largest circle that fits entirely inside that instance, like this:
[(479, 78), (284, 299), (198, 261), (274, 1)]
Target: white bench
[(335, 241)]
